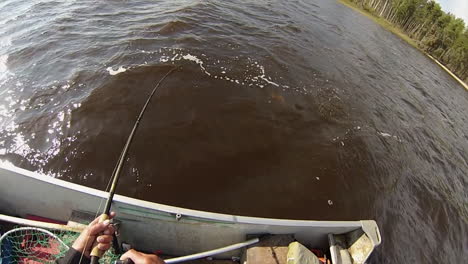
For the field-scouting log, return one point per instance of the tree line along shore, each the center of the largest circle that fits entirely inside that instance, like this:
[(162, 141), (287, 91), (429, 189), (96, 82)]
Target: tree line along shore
[(423, 24)]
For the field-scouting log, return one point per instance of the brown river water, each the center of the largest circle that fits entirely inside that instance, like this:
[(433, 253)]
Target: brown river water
[(286, 109)]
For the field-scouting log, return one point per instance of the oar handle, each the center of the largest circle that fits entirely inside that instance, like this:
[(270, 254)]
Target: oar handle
[(96, 253)]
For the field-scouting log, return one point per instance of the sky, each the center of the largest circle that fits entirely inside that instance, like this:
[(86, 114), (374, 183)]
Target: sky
[(457, 7)]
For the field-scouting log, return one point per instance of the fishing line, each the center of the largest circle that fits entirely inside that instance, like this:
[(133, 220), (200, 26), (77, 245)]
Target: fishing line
[(96, 253)]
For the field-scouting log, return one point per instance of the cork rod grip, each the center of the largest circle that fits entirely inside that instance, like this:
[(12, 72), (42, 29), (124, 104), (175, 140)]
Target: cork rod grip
[(96, 252)]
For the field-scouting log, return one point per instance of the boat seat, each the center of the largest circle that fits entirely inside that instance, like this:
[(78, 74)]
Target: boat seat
[(350, 248)]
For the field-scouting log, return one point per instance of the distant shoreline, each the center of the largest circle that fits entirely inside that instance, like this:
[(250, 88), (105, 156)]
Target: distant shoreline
[(390, 27)]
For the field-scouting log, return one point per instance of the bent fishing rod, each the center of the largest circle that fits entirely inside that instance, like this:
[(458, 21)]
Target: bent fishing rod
[(96, 253)]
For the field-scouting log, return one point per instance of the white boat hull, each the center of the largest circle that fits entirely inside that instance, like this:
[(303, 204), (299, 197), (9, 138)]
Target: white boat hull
[(151, 226)]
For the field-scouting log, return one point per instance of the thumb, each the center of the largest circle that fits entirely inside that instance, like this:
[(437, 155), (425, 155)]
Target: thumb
[(98, 228), (131, 254)]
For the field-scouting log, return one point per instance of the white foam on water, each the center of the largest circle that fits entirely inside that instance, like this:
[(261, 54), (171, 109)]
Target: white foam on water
[(387, 135), (175, 57), (119, 70), (263, 77), (383, 134), (254, 76), (198, 61)]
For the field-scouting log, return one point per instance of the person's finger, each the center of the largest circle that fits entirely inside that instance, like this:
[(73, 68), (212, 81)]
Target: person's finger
[(112, 215), (104, 239), (131, 254), (98, 228), (104, 247), (109, 230)]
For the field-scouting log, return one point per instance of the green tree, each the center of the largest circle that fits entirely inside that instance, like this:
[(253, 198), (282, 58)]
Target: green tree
[(440, 34)]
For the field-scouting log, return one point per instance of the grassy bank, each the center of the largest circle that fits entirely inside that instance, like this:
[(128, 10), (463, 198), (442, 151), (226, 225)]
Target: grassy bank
[(397, 31)]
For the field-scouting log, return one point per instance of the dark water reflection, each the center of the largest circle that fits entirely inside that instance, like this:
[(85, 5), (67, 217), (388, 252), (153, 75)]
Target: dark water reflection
[(291, 110)]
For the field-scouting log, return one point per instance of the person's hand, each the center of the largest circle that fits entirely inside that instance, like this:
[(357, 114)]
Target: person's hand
[(141, 258), (103, 231)]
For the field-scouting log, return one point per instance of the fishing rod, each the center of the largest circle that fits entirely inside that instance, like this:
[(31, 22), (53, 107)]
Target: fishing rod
[(96, 253)]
